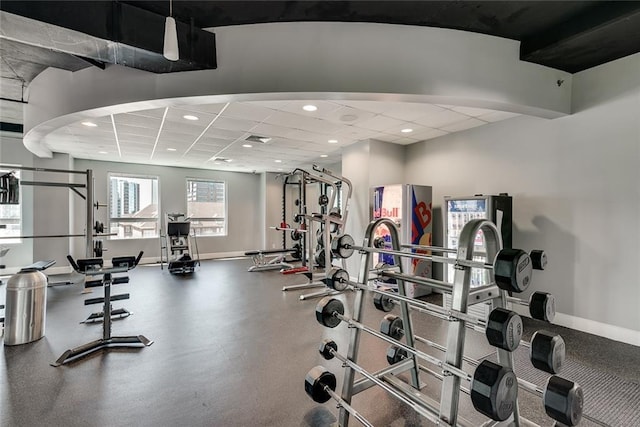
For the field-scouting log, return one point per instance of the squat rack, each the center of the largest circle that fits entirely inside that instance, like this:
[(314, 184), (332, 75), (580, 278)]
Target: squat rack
[(88, 197)]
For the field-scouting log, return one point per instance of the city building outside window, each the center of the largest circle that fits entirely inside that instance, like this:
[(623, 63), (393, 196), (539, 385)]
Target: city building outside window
[(10, 211), (207, 207), (133, 206)]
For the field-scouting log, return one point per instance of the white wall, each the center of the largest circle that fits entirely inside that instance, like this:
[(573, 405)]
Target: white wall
[(244, 215), (575, 182), (367, 164)]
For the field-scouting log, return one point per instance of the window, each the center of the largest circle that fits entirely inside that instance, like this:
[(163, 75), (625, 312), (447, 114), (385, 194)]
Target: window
[(207, 207), (133, 206), (10, 211)]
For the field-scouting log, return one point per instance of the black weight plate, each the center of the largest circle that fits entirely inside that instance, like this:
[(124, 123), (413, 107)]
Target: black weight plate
[(323, 200), (396, 354), (538, 259), (563, 400), (547, 351), (338, 279), (383, 302), (494, 390), (315, 381), (512, 270), (325, 309), (392, 326), (325, 348), (504, 329), (342, 246), (542, 306)]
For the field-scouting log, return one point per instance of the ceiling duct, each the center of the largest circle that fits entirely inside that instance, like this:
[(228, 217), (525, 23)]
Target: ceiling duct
[(104, 32)]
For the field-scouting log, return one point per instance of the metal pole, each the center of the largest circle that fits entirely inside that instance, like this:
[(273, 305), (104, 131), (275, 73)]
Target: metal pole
[(89, 201), (26, 168)]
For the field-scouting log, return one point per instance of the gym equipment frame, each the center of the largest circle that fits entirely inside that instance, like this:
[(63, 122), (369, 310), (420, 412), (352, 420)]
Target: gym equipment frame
[(93, 267), (88, 197), (330, 223)]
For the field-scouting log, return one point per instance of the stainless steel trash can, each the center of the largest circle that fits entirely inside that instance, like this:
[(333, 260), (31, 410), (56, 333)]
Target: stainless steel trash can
[(25, 307)]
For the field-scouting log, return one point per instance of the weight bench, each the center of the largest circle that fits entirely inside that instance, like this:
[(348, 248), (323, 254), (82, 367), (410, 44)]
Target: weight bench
[(38, 266), (276, 263)]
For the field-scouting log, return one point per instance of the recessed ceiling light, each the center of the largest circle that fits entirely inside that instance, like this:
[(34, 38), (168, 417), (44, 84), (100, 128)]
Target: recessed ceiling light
[(407, 130), (309, 107), (190, 117), (333, 141), (247, 145), (102, 152), (90, 124), (324, 155), (278, 161), (171, 149)]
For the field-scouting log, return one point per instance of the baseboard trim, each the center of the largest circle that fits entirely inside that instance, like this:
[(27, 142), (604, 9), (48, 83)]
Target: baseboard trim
[(612, 332)]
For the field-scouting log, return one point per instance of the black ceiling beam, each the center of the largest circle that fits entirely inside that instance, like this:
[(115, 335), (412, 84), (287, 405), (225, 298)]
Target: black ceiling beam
[(604, 32), (139, 33)]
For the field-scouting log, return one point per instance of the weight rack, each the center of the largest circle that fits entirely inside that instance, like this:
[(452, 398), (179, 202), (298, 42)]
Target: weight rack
[(329, 223), (447, 410)]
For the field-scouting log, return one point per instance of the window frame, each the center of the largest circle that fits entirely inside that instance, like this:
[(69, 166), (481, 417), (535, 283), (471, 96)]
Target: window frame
[(125, 220), (225, 218)]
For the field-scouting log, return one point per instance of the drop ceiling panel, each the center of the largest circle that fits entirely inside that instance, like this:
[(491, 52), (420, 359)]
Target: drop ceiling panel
[(218, 133), (441, 119), (176, 115), (248, 111), (230, 123), (264, 129), (348, 116), (325, 108), (154, 113), (381, 123), (410, 111), (296, 121), (371, 106), (137, 121)]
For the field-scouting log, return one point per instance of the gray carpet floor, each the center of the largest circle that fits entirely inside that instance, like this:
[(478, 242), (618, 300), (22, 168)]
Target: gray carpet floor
[(231, 349)]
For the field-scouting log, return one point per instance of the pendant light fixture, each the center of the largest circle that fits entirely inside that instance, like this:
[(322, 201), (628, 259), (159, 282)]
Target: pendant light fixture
[(170, 50)]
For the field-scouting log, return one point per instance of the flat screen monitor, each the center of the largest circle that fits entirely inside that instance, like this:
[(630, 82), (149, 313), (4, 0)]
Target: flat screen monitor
[(178, 228)]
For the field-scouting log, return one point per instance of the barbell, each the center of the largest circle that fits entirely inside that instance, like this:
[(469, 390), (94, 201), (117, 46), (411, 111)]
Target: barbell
[(494, 386), (563, 399), (320, 385), (541, 304), (503, 330), (330, 312), (512, 268)]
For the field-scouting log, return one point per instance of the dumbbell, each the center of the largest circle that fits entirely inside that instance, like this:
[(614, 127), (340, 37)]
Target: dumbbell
[(563, 399), (494, 387), (320, 385), (541, 304), (512, 268)]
